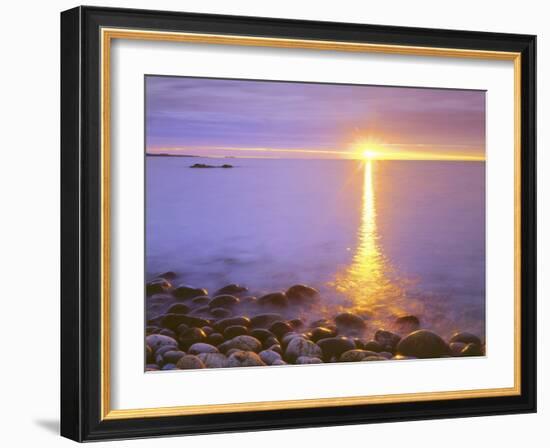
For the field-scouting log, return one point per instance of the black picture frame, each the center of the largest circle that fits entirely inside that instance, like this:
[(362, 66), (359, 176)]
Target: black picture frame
[(81, 224)]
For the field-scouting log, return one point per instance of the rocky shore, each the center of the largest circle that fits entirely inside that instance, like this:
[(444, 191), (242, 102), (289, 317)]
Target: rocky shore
[(188, 328)]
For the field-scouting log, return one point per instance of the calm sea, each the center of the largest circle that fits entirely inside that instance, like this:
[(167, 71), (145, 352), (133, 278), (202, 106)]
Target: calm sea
[(378, 237)]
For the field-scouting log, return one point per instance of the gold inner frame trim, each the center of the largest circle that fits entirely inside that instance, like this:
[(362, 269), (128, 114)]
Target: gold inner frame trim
[(107, 35)]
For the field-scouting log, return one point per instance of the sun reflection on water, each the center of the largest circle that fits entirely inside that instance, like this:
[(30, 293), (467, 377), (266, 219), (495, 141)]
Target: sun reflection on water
[(369, 282)]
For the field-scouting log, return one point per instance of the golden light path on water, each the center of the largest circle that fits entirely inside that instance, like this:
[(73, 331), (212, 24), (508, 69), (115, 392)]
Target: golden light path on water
[(368, 282)]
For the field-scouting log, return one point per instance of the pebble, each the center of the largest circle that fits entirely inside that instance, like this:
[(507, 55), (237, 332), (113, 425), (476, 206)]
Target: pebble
[(224, 301), (178, 308), (221, 313), (190, 337), (234, 330), (466, 338), (155, 341), (269, 356), (201, 347), (387, 339), (275, 299), (185, 292), (231, 289), (244, 342), (298, 347), (280, 328), (200, 301), (349, 323), (472, 349), (321, 333), (308, 360), (407, 324), (373, 346), (302, 294), (334, 347), (222, 324), (157, 286), (213, 360), (422, 344), (356, 355), (265, 320), (172, 356), (244, 359), (261, 334), (215, 339), (190, 362)]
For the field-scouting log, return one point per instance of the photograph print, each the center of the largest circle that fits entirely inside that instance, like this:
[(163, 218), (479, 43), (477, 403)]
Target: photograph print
[(292, 223)]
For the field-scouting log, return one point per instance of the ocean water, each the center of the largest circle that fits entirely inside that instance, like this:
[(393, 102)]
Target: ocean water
[(380, 238)]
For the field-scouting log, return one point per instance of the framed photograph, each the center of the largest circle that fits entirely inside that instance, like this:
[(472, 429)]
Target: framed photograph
[(276, 224)]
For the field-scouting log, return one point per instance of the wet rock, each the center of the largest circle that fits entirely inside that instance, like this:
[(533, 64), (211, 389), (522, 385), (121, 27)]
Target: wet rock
[(213, 360), (265, 320), (319, 333), (402, 357), (422, 344), (149, 355), (269, 342), (319, 323), (296, 324), (275, 299), (261, 334), (231, 289), (164, 349), (308, 360), (168, 275), (222, 324), (301, 294), (201, 311), (276, 348), (151, 329), (472, 349), (201, 347), (244, 359), (167, 332), (334, 347), (200, 301), (286, 338), (189, 362), (280, 328), (387, 340), (234, 330), (157, 286), (172, 356), (278, 362), (349, 323), (375, 358), (221, 313), (407, 324), (244, 342), (301, 347), (373, 346), (456, 348), (249, 301), (172, 321), (156, 341), (185, 292), (182, 328), (356, 355), (178, 308), (269, 356), (224, 301), (190, 337), (214, 339), (466, 338)]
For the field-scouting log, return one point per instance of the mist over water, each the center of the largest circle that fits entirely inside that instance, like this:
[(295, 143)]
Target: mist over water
[(380, 238)]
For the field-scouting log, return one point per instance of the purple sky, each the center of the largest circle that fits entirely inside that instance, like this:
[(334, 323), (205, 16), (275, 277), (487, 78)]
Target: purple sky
[(279, 119)]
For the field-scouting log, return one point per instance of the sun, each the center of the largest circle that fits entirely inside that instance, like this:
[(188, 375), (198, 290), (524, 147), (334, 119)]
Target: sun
[(368, 154)]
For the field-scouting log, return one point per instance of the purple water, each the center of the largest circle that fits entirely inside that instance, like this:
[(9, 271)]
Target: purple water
[(387, 237)]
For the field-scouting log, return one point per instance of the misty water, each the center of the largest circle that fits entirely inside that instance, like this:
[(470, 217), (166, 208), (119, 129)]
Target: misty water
[(380, 238)]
